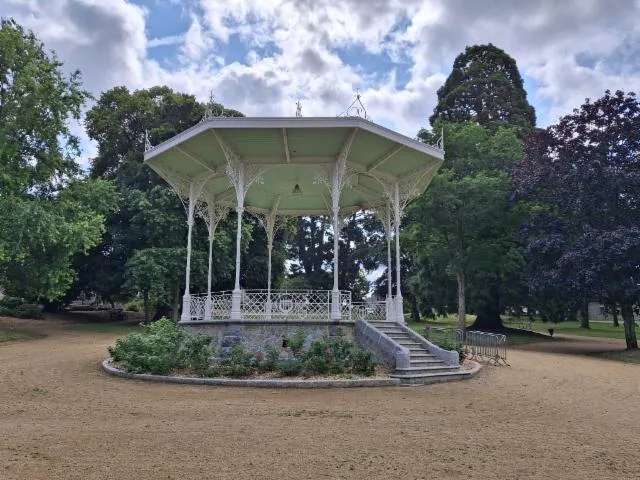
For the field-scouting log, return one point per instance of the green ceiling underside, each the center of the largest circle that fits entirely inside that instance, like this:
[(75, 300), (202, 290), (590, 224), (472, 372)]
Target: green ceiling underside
[(289, 155)]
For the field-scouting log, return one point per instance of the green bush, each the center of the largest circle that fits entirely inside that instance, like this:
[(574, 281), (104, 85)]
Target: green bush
[(239, 363), (288, 367), (332, 355), (361, 361), (28, 310), (452, 345), (296, 343), (10, 302), (163, 348), (133, 306)]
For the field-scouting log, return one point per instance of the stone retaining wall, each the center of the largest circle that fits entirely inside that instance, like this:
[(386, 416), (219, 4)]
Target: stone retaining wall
[(257, 337)]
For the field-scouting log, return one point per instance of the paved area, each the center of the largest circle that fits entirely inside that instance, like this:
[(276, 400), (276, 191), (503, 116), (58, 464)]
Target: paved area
[(549, 415)]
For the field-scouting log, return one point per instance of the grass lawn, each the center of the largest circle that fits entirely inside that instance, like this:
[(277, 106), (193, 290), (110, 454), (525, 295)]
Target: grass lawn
[(598, 329), (10, 335), (627, 356), (111, 328), (514, 338)]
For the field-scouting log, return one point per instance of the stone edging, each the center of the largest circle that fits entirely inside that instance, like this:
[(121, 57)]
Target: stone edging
[(230, 382), (473, 371)]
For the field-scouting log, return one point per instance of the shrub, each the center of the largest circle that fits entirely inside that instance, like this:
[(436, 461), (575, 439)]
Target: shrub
[(28, 310), (336, 355), (239, 363), (10, 302), (361, 361), (451, 345), (133, 306), (288, 367), (271, 359), (296, 343), (163, 348)]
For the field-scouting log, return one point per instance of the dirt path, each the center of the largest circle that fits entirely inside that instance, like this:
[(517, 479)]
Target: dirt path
[(547, 416)]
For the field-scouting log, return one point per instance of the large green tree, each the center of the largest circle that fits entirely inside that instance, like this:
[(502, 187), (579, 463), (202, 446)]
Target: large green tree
[(151, 219), (458, 225), (583, 172), (484, 112), (50, 214), (485, 86)]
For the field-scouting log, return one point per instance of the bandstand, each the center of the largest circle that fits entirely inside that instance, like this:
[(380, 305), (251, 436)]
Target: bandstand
[(277, 167)]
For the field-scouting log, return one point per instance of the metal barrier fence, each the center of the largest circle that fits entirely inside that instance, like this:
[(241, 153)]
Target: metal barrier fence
[(489, 346)]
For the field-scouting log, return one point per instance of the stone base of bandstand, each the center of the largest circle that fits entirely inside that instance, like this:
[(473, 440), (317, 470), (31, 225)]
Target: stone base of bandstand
[(258, 336)]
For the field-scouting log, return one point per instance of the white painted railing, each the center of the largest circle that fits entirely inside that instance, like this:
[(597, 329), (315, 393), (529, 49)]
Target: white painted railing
[(369, 311), (260, 305)]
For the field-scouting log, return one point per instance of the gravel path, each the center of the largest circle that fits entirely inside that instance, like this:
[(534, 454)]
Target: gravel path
[(547, 416)]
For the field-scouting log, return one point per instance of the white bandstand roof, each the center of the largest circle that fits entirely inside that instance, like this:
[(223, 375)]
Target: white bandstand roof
[(290, 161)]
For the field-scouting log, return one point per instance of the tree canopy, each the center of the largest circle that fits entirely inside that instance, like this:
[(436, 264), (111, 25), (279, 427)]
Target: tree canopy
[(485, 86), (583, 172), (50, 214)]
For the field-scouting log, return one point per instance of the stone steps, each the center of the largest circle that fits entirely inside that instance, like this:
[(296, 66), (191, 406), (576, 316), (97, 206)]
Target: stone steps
[(428, 378), (413, 371), (424, 367)]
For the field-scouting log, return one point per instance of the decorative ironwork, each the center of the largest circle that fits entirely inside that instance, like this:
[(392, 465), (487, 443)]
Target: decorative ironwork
[(298, 109), (213, 109), (220, 306), (369, 311), (147, 142), (356, 109)]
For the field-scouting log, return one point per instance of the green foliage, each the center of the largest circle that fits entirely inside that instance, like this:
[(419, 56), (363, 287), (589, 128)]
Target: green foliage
[(133, 306), (448, 344), (485, 87), (161, 350), (271, 359), (239, 363), (16, 307), (296, 343), (50, 215), (10, 302), (462, 233), (332, 355)]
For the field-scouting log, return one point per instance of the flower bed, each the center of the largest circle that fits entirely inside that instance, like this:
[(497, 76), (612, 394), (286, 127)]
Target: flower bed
[(165, 349)]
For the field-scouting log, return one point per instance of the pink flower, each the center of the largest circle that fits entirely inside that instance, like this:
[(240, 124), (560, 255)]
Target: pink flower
[(259, 357)]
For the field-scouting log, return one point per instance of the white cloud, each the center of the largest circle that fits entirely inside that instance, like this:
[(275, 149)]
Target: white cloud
[(571, 49)]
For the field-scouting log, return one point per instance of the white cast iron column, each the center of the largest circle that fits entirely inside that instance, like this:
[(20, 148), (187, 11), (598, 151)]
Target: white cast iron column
[(236, 313), (339, 179), (396, 211), (195, 188), (388, 228), (212, 216), (242, 177)]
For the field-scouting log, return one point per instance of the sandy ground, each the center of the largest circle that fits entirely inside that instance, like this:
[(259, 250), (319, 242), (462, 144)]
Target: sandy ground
[(547, 416)]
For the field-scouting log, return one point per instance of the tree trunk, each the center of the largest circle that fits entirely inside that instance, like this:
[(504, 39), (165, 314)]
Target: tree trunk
[(415, 312), (175, 311), (584, 315), (145, 302), (462, 307), (614, 311), (626, 309), (488, 317)]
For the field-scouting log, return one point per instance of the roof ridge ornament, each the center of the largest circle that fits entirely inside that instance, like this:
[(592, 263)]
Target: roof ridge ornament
[(440, 142), (356, 109), (298, 109), (212, 110), (147, 142)]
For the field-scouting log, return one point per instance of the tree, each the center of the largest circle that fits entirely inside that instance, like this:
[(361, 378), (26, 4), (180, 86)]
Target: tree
[(151, 221), (485, 90), (485, 87), (50, 214), (463, 227), (584, 174)]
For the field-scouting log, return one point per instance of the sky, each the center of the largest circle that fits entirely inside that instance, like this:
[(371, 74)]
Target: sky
[(261, 56)]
